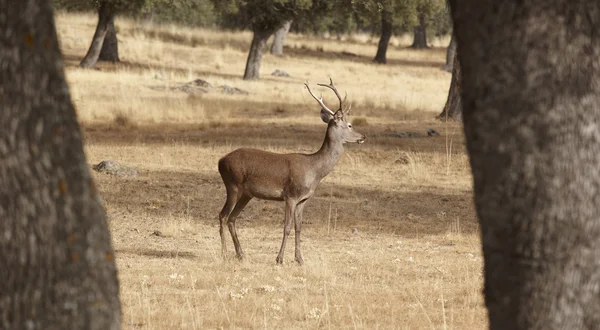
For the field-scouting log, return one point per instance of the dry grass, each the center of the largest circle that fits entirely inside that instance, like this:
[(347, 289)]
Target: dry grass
[(390, 237)]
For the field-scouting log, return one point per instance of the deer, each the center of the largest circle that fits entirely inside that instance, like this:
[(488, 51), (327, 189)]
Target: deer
[(292, 178)]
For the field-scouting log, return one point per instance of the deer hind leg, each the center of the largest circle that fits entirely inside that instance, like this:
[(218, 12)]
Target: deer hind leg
[(232, 198), (298, 227), (289, 216), (239, 206)]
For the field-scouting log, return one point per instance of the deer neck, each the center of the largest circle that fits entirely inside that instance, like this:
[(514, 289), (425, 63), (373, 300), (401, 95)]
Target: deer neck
[(328, 155)]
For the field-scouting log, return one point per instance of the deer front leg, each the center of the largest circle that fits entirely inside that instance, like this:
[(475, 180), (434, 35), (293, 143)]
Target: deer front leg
[(298, 226), (289, 215)]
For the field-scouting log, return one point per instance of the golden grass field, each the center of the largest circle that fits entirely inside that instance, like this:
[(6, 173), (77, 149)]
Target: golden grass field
[(390, 239)]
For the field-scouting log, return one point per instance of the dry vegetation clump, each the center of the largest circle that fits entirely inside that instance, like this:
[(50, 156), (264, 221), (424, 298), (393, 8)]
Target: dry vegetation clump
[(390, 238)]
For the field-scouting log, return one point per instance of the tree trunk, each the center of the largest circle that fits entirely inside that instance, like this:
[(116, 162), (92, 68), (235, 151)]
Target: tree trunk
[(259, 40), (106, 14), (148, 16), (453, 108), (110, 47), (279, 39), (56, 261), (531, 106), (450, 54), (386, 34), (420, 33)]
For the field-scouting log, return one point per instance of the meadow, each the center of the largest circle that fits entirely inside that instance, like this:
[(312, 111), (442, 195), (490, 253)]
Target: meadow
[(390, 239)]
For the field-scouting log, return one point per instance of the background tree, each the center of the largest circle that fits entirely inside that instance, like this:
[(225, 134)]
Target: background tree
[(450, 55), (279, 38), (263, 18), (106, 21), (187, 12), (110, 47), (398, 16), (531, 107), (104, 44), (453, 107), (425, 11), (441, 23), (393, 13), (56, 261), (387, 16), (420, 32), (333, 17)]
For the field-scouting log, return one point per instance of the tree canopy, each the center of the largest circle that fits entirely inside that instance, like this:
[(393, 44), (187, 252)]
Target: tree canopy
[(267, 15)]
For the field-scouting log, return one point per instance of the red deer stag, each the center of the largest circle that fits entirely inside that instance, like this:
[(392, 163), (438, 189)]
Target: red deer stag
[(292, 178)]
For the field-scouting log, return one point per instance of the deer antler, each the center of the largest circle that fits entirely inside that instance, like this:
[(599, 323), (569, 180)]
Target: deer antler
[(320, 100), (332, 87)]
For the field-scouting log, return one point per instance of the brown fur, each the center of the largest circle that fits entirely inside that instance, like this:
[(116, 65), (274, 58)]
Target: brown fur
[(293, 178)]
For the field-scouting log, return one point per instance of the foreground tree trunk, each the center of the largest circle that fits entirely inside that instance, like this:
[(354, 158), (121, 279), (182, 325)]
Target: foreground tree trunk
[(259, 40), (450, 54), (420, 33), (453, 108), (106, 15), (110, 47), (56, 261), (531, 117), (386, 34), (279, 39)]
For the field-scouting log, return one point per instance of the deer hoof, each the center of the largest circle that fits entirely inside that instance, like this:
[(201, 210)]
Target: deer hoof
[(300, 261), (279, 260)]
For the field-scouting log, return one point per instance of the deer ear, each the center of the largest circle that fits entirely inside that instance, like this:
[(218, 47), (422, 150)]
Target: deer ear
[(325, 116)]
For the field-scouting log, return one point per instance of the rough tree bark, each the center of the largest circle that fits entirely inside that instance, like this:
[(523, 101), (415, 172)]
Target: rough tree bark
[(259, 40), (110, 47), (531, 113), (420, 33), (56, 261), (386, 34), (450, 54), (106, 14), (279, 39), (453, 108)]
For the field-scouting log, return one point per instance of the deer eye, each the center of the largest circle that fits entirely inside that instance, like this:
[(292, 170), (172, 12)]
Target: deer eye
[(349, 125)]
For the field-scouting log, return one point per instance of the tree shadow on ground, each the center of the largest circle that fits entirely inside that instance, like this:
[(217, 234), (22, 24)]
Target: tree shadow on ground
[(199, 196), (167, 254), (302, 137), (352, 57)]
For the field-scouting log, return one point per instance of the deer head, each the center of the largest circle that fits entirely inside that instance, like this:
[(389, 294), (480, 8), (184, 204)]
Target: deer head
[(338, 127)]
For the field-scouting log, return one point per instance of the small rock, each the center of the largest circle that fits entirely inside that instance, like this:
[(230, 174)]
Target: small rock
[(432, 132), (355, 230), (157, 233), (115, 168), (280, 73), (232, 90), (351, 54), (405, 134), (190, 89), (158, 76), (201, 83)]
